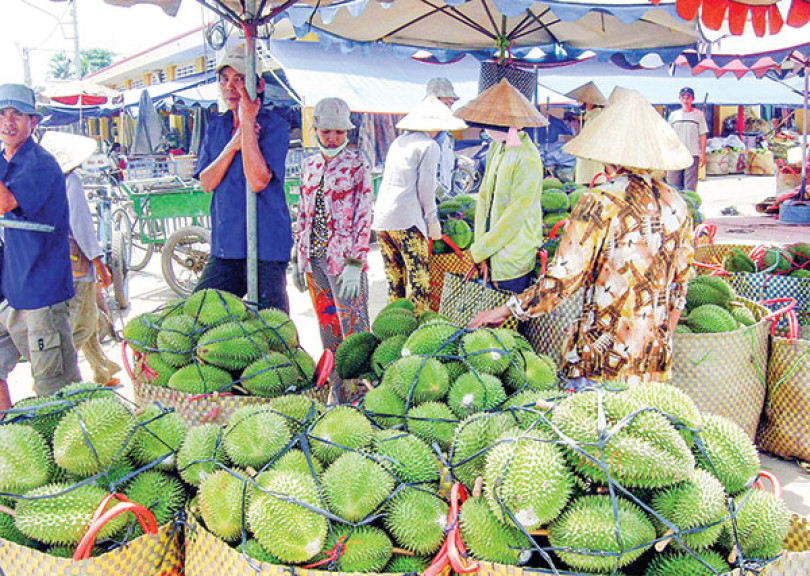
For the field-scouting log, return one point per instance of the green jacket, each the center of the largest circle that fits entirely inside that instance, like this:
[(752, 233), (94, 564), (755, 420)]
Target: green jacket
[(508, 213)]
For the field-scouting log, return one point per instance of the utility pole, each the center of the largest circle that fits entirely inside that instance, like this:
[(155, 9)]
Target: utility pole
[(77, 57), (25, 54)]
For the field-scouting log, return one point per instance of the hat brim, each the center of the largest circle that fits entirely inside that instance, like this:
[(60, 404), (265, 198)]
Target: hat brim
[(70, 150), (20, 107), (340, 126)]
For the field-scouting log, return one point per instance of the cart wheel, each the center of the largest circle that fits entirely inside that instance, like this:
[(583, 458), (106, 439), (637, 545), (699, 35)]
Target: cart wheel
[(139, 251), (464, 180), (118, 268), (185, 255)]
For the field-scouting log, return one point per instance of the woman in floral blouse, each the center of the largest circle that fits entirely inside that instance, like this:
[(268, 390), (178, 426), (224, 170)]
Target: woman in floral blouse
[(628, 243), (333, 227)]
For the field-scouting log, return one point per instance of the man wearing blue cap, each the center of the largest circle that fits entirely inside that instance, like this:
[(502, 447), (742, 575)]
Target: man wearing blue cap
[(690, 125), (36, 273)]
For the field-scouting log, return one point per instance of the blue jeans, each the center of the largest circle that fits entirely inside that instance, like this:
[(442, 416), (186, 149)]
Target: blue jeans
[(230, 275)]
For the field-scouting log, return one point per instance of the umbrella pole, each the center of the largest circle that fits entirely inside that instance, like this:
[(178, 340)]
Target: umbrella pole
[(803, 187), (250, 197)]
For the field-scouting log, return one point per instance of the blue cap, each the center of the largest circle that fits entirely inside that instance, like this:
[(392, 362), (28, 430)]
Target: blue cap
[(19, 97), (687, 90)]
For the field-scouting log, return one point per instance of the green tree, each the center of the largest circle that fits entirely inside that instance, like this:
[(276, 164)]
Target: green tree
[(60, 65)]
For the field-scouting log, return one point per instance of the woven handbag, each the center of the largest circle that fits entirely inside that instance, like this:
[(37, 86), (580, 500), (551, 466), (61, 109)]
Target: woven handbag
[(463, 298), (549, 332), (458, 262)]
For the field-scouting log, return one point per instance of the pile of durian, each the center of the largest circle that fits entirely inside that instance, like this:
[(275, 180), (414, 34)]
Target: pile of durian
[(712, 306), (61, 455), (792, 260), (211, 342)]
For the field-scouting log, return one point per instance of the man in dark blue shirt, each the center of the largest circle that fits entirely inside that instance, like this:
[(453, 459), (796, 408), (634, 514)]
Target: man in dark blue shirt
[(36, 270), (246, 143)]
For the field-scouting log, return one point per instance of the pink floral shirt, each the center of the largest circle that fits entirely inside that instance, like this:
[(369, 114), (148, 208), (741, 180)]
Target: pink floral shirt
[(348, 198)]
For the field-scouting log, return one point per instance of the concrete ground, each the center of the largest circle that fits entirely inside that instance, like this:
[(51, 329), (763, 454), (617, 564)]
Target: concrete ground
[(148, 291)]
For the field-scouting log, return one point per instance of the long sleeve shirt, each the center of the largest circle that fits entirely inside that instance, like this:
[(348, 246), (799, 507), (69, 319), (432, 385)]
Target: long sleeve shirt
[(629, 243), (81, 224), (407, 195)]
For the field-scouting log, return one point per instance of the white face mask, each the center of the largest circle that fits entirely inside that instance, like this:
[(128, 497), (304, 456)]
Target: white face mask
[(331, 152)]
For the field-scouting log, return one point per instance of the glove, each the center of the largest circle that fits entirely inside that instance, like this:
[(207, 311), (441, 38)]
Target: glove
[(298, 277), (350, 282), (434, 230)]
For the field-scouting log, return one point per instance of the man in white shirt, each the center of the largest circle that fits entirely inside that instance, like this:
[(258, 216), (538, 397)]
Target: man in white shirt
[(443, 90), (690, 125)]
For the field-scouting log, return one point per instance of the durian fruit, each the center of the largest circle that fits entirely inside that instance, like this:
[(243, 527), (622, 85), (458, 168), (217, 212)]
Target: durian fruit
[(397, 304), (588, 528), (223, 499), (437, 337), (176, 340), (305, 365), (339, 429), (673, 402), (473, 439), (278, 329), (296, 461), (527, 475), (417, 520), (231, 346), (42, 413), (393, 323), (484, 352), (299, 411), (455, 369), (255, 435), (200, 379), (59, 514), (201, 453), (159, 370), (429, 315), (776, 261), (353, 354), (25, 459), (408, 457), (270, 376), (727, 452), (488, 539), (473, 392), (522, 407), (743, 315), (92, 435), (283, 527), (364, 549), (690, 505), (761, 521), (707, 563), (384, 406), (79, 392), (211, 307), (708, 290), (386, 352), (432, 422), (141, 332), (8, 530), (159, 436), (162, 493), (355, 486), (528, 370), (646, 451), (115, 477), (255, 550), (172, 307), (405, 564), (709, 318), (417, 379)]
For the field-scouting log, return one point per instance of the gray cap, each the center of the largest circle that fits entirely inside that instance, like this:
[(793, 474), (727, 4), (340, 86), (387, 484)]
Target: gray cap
[(19, 97), (332, 114), (235, 58), (440, 88)]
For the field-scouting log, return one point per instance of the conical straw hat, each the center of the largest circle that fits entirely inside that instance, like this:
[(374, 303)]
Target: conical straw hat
[(589, 94), (429, 116), (70, 150), (630, 133), (502, 105)]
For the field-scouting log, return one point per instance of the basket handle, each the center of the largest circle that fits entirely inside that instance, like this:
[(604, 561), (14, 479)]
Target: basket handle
[(595, 176), (715, 269), (788, 311), (324, 368), (776, 486), (100, 518), (552, 234), (446, 240), (452, 553), (784, 167), (708, 229), (484, 270), (542, 254)]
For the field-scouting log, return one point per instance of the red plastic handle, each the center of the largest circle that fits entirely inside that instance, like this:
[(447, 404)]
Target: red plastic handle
[(776, 486), (708, 229), (789, 312), (452, 553), (458, 252), (100, 518), (593, 180), (324, 368), (556, 228)]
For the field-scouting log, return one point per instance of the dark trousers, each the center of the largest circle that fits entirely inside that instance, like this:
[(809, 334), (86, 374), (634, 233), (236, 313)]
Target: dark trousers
[(230, 275), (516, 285)]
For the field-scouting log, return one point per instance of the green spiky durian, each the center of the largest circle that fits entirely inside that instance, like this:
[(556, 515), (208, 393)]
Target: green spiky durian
[(405, 564), (296, 461), (395, 322), (699, 501), (8, 530), (200, 379), (527, 475), (709, 318), (283, 527), (729, 453), (279, 330), (382, 401), (386, 352), (529, 370), (471, 442), (645, 452), (162, 493), (223, 499), (708, 290), (488, 539), (172, 307), (255, 550), (201, 453), (341, 428), (255, 435), (484, 352), (159, 436), (355, 486), (299, 411), (761, 520), (437, 337), (159, 370), (427, 315), (211, 307), (417, 379), (410, 458), (588, 526), (353, 355), (270, 376), (61, 514), (42, 413), (743, 315), (523, 408), (79, 392), (25, 459), (417, 520), (397, 304), (231, 346), (305, 365), (92, 435), (776, 261), (365, 548), (455, 369), (176, 340), (113, 477), (672, 402), (684, 564), (472, 393), (141, 332), (432, 422)]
